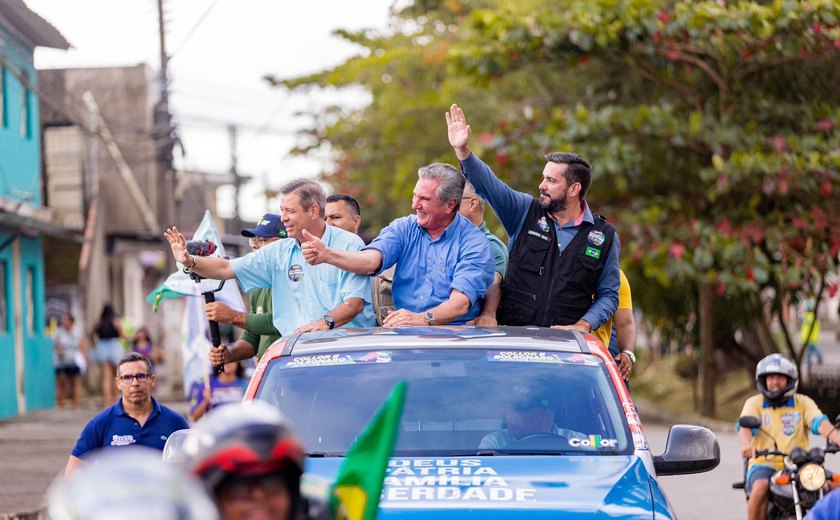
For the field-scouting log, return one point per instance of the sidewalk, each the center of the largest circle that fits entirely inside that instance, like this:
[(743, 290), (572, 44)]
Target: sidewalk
[(34, 449)]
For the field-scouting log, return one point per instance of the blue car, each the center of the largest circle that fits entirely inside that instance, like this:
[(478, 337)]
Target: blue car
[(502, 422)]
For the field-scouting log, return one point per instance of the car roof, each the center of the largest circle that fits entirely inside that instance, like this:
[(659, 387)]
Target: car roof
[(439, 337)]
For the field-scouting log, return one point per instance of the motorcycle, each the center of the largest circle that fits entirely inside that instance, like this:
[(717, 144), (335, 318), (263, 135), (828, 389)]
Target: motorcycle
[(800, 483)]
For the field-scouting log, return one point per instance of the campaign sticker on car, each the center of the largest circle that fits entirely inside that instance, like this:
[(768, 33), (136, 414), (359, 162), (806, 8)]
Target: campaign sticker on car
[(524, 356), (468, 480), (328, 360)]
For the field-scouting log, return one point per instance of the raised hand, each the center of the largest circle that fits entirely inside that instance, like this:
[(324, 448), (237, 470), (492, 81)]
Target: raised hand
[(178, 244), (313, 248), (459, 131)]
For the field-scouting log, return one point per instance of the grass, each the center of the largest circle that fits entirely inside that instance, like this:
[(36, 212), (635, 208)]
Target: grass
[(661, 384)]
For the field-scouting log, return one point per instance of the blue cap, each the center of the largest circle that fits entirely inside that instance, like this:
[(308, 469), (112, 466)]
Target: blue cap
[(269, 226)]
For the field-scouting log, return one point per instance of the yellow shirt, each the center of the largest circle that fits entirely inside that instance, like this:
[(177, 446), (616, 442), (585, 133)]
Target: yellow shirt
[(625, 301), (788, 425)]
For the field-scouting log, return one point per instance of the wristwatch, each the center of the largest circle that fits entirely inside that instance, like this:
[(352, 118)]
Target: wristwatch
[(328, 320), (630, 355), (429, 317)]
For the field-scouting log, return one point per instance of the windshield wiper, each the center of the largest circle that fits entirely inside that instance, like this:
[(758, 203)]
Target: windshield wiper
[(487, 453)]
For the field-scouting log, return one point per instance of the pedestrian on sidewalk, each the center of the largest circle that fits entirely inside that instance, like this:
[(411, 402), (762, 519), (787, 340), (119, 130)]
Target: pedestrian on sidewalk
[(809, 334), (107, 350), (70, 351), (136, 419)]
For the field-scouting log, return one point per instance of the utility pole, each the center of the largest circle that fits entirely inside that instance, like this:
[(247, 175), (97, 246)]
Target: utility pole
[(236, 221), (163, 133)]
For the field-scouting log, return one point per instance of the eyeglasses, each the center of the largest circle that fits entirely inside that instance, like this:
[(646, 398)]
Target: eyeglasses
[(128, 378), (253, 241)]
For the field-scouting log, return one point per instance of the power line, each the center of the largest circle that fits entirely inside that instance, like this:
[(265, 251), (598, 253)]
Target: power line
[(192, 31)]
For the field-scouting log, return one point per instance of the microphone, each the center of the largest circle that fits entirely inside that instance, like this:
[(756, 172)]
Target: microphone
[(201, 247)]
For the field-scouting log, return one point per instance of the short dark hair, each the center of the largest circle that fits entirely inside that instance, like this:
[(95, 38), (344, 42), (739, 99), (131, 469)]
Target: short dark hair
[(578, 169), (131, 358), (351, 201)]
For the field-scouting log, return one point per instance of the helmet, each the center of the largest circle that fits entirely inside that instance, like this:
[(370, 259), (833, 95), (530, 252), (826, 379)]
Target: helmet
[(776, 364), (129, 483), (250, 438)]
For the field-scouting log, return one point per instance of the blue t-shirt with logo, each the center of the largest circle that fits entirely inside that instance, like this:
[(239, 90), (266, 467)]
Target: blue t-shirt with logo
[(113, 427)]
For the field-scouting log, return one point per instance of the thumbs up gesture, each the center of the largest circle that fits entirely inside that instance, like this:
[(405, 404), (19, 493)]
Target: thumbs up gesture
[(314, 250)]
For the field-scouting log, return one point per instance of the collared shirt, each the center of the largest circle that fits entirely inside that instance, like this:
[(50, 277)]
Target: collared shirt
[(500, 250), (114, 427), (788, 424), (428, 270), (303, 293), (511, 207)]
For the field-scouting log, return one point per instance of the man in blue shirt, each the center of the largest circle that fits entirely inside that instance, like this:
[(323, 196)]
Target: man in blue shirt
[(137, 418), (571, 286), (444, 264)]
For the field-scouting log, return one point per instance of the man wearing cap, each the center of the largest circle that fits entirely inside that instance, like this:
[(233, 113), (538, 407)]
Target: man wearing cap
[(529, 414), (260, 332)]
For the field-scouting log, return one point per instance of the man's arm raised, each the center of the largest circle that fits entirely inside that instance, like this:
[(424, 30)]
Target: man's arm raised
[(316, 252), (213, 268)]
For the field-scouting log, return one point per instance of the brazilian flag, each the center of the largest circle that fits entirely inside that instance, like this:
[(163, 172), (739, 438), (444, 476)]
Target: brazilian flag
[(355, 493)]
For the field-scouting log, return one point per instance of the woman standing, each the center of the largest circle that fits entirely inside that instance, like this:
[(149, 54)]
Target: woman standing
[(142, 344), (68, 345), (108, 351), (227, 387)]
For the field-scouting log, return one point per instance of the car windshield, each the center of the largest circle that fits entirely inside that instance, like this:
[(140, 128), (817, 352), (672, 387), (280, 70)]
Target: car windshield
[(458, 402)]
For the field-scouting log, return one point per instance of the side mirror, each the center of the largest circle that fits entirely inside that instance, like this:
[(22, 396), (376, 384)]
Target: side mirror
[(750, 422), (689, 449)]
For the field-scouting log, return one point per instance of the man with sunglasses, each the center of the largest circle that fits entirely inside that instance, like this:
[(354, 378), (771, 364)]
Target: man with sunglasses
[(258, 323), (135, 419)]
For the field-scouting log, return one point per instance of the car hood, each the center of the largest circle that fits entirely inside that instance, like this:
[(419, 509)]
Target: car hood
[(590, 487)]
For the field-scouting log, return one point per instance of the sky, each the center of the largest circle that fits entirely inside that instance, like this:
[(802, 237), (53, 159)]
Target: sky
[(219, 51)]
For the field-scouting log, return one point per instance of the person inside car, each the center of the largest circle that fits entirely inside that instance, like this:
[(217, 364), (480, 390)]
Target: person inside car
[(530, 413), (786, 417)]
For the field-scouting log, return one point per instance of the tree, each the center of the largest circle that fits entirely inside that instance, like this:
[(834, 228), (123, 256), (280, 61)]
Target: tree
[(712, 126)]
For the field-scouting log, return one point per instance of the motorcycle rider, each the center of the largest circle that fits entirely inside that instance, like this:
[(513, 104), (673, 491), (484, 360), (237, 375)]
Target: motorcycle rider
[(250, 462), (786, 418)]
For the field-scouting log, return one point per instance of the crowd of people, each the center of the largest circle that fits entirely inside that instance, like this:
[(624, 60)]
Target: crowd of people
[(308, 270)]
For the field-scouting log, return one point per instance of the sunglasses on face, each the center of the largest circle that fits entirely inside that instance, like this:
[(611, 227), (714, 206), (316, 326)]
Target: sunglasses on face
[(128, 378)]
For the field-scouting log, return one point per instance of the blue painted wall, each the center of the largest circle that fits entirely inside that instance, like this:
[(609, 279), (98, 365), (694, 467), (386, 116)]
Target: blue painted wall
[(8, 398), (20, 155), (20, 179)]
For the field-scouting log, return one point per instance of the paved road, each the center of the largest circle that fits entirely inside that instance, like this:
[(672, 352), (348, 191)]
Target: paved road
[(710, 495), (34, 449)]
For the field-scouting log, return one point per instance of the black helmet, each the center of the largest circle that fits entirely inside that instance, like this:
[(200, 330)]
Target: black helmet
[(776, 364), (129, 483), (251, 438)]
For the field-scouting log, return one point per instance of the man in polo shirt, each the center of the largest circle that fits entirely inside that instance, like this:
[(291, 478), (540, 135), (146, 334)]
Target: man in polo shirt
[(258, 322), (305, 298), (137, 418), (444, 264)]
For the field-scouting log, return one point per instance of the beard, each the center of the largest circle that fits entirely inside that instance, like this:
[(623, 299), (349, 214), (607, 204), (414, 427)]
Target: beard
[(554, 205)]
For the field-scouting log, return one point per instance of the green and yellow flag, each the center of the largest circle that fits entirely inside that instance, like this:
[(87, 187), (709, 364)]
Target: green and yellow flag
[(355, 493)]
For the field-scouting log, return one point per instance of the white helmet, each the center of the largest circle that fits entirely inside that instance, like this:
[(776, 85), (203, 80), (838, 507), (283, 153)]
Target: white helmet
[(776, 364), (130, 483)]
